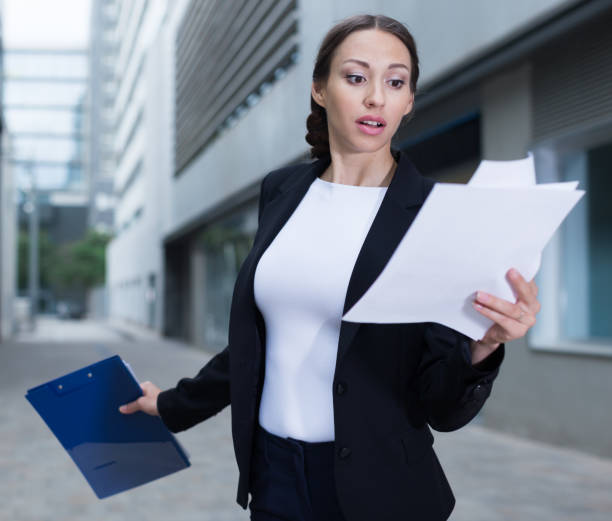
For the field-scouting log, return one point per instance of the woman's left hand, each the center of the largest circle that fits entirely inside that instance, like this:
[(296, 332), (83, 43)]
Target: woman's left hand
[(512, 320)]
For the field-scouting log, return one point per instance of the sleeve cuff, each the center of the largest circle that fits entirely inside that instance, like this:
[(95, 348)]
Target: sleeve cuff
[(488, 364), (164, 408), (492, 361)]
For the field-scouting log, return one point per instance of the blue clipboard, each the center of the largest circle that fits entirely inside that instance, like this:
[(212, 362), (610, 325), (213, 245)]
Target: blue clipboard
[(114, 451)]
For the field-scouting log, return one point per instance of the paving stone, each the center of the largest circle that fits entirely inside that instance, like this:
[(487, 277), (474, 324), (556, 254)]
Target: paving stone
[(494, 476)]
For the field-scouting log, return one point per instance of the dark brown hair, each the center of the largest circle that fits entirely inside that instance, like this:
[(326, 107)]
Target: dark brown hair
[(316, 123)]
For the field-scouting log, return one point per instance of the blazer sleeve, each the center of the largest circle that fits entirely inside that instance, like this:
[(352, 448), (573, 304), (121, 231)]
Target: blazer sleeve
[(196, 399), (451, 389)]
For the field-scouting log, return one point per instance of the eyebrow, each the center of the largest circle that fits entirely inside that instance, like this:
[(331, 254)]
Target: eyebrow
[(367, 66)]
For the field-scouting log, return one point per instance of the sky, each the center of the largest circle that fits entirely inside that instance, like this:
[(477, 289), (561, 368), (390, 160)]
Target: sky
[(49, 24)]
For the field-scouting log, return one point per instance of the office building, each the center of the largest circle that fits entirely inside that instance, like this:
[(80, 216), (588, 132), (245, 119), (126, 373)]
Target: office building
[(220, 92)]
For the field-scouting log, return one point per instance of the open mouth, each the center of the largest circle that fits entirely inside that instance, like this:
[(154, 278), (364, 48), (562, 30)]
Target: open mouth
[(371, 124)]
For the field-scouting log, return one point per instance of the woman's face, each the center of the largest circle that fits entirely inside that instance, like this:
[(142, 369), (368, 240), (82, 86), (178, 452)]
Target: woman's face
[(369, 76)]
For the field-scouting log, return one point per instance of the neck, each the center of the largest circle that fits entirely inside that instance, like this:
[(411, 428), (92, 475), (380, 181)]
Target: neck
[(361, 169)]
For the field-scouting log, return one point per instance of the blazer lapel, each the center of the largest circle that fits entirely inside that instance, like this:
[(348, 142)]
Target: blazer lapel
[(284, 200), (400, 205), (402, 201)]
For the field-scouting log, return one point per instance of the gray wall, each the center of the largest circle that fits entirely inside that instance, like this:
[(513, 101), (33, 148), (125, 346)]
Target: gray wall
[(8, 244), (553, 397), (271, 133)]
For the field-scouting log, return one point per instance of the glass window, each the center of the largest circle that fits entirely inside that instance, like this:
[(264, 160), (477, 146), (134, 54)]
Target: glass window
[(575, 277), (48, 176), (225, 245), (449, 152), (42, 149), (31, 64), (51, 121), (36, 94)]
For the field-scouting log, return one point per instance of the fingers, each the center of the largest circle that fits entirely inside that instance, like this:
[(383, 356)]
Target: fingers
[(512, 320), (146, 403), (508, 328), (524, 290), (513, 310), (131, 407), (526, 304), (534, 287)]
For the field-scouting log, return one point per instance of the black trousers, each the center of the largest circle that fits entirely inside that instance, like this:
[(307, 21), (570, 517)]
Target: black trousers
[(293, 480)]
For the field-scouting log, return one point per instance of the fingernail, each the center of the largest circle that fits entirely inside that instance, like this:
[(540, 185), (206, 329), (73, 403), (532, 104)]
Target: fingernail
[(122, 408), (482, 296)]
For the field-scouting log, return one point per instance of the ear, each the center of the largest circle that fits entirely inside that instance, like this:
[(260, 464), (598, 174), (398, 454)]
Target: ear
[(410, 104), (317, 94)]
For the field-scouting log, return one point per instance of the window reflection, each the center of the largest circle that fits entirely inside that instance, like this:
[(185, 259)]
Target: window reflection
[(224, 245), (587, 248)]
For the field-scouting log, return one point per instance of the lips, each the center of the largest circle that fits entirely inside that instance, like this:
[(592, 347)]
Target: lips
[(381, 122)]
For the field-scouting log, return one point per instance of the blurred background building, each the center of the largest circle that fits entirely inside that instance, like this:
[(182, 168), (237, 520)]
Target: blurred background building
[(213, 95), (44, 105), (100, 95), (46, 111), (186, 105), (140, 138), (8, 220)]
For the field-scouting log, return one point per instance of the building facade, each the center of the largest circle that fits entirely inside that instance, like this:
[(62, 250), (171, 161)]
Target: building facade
[(100, 121), (134, 256), (8, 223), (45, 109), (221, 92)]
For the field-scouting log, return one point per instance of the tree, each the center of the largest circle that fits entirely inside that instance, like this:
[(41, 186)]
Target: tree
[(81, 264)]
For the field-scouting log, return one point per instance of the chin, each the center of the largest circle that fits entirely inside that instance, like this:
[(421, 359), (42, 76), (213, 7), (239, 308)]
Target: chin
[(371, 146)]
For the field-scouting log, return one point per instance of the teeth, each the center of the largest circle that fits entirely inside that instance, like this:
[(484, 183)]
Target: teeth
[(373, 123)]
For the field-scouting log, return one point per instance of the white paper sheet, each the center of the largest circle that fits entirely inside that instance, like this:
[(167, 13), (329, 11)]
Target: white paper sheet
[(520, 172), (464, 239)]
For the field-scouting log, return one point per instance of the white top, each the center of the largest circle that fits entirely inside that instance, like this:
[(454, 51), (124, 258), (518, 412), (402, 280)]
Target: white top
[(300, 286)]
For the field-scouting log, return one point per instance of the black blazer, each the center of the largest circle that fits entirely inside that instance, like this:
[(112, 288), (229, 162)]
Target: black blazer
[(391, 381)]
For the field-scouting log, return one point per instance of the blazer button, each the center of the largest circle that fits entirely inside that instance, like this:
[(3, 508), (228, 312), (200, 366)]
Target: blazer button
[(340, 388), (479, 390), (344, 452)]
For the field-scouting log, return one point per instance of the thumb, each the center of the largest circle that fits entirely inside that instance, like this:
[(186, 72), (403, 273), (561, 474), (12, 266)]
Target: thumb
[(130, 408)]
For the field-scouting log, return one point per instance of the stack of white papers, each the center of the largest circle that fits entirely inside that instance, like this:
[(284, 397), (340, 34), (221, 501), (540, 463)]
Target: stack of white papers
[(464, 239)]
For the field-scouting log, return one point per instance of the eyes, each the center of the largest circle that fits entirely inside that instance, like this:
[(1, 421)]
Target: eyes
[(397, 82)]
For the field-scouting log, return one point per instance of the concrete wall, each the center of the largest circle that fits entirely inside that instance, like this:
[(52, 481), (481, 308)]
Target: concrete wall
[(550, 396), (137, 253), (554, 397), (272, 132), (449, 34), (8, 243)]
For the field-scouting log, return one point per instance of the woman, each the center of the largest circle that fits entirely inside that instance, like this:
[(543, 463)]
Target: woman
[(330, 419)]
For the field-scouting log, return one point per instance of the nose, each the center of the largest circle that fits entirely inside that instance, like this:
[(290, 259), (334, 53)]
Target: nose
[(374, 96)]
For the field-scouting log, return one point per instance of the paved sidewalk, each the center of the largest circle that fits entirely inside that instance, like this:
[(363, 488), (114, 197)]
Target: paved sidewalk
[(498, 477), (49, 328), (494, 476)]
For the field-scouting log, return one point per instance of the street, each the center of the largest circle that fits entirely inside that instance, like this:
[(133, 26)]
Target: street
[(494, 476)]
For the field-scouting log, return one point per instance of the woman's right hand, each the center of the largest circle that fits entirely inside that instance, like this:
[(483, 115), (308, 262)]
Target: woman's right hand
[(146, 403)]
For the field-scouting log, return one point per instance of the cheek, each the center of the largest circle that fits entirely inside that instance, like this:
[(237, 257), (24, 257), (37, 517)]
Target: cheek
[(342, 109), (348, 97), (399, 107)]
